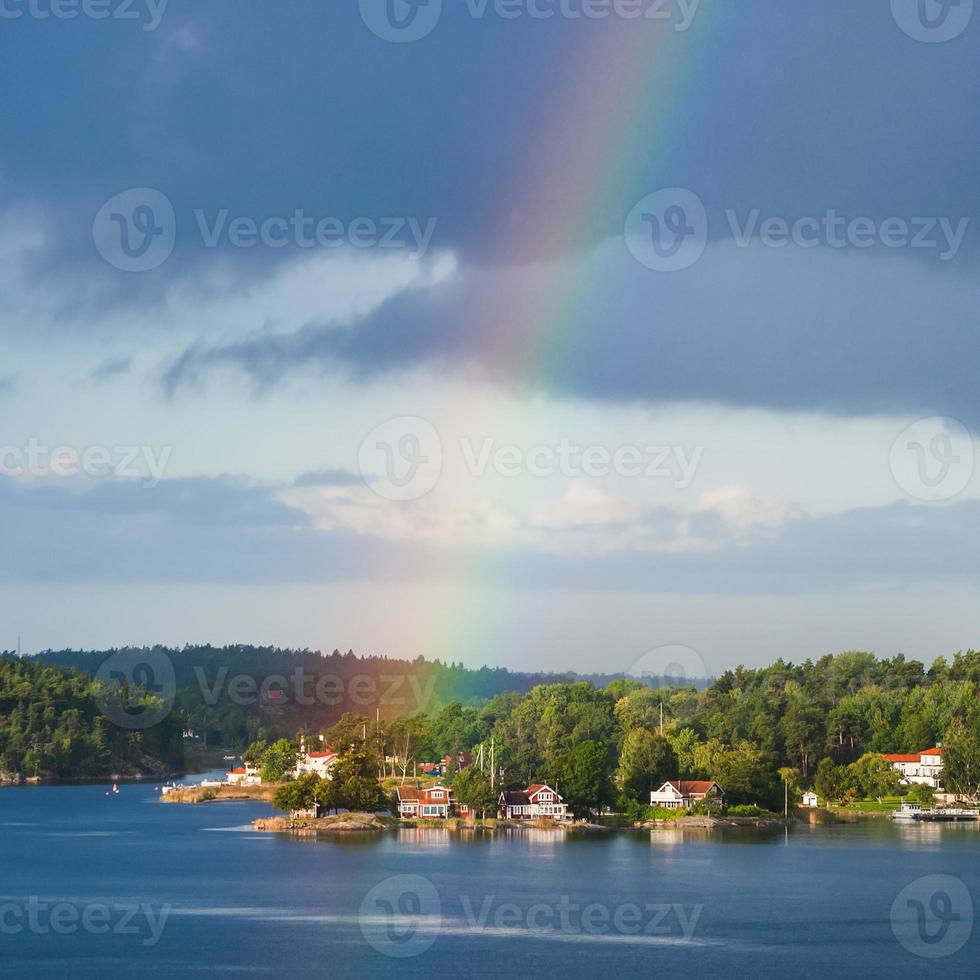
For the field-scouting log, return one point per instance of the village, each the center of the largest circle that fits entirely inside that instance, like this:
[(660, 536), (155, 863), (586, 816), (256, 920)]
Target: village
[(429, 793)]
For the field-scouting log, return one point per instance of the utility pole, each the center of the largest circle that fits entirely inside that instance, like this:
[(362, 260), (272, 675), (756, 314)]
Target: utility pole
[(661, 719), (493, 765)]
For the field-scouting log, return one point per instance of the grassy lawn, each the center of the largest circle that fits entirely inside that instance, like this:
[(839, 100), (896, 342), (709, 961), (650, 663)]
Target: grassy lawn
[(887, 804)]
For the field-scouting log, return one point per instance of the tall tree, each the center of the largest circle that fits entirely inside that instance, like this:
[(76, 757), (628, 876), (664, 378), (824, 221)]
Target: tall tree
[(961, 760), (472, 788), (646, 762), (278, 762), (586, 778)]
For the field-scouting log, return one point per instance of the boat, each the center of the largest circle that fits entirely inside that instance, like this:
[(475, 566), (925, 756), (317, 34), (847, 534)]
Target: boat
[(909, 811)]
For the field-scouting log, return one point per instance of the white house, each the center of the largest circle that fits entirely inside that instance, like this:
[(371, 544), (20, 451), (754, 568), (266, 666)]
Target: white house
[(436, 802), (810, 799), (680, 794), (247, 775), (538, 802), (321, 763), (922, 767)]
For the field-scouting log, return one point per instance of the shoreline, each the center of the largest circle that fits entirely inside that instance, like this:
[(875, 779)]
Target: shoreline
[(365, 823)]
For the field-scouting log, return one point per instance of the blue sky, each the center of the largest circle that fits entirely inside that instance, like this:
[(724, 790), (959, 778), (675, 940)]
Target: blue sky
[(764, 449)]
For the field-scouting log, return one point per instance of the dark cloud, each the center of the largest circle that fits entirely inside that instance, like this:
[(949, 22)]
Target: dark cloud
[(543, 144), (836, 332)]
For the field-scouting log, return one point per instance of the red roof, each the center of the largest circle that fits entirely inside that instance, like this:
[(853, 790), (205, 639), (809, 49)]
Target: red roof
[(693, 787), (523, 797), (917, 757), (696, 785), (237, 772), (411, 794), (321, 755)]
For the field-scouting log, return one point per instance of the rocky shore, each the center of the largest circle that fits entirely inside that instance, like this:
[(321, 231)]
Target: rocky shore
[(712, 823), (337, 824), (373, 823)]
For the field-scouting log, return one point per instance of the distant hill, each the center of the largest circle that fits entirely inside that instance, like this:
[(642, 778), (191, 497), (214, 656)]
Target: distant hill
[(58, 722), (231, 693)]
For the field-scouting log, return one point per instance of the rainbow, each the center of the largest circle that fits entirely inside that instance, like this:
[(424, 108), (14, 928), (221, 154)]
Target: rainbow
[(587, 168)]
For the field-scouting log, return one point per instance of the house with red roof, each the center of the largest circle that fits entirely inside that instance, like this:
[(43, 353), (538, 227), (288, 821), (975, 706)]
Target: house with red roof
[(677, 794), (321, 763), (920, 767), (436, 802), (538, 802), (246, 775)]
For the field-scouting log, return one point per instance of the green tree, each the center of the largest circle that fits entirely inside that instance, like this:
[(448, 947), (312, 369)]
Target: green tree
[(961, 760), (472, 788), (586, 778), (255, 752), (830, 780), (874, 776), (790, 777), (303, 793), (645, 763), (355, 783), (278, 762), (921, 793)]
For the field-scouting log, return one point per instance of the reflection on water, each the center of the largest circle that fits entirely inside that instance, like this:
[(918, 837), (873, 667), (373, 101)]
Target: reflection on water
[(758, 902)]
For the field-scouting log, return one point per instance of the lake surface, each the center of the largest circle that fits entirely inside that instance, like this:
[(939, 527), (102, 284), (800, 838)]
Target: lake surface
[(204, 893)]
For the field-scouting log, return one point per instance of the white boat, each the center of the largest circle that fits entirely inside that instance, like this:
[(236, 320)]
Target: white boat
[(909, 811)]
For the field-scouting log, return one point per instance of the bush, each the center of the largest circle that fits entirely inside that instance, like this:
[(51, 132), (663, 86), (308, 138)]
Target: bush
[(748, 811), (921, 793), (660, 813)]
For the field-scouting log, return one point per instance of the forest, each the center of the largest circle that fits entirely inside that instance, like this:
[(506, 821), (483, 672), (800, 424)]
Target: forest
[(57, 722), (823, 723), (817, 723)]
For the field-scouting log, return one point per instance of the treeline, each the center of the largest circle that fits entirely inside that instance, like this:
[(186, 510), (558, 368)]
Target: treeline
[(751, 730), (233, 695), (56, 722)]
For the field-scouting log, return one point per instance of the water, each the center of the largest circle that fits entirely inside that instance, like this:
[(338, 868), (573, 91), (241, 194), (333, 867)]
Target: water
[(223, 898)]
